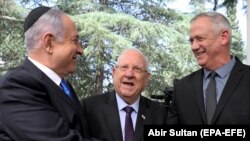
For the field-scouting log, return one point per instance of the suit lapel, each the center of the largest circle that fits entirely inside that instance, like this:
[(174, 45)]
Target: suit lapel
[(233, 81), (143, 118), (198, 87), (74, 96), (111, 113), (52, 87)]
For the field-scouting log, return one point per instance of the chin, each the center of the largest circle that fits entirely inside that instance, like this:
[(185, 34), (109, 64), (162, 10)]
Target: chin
[(126, 94), (72, 69), (200, 62)]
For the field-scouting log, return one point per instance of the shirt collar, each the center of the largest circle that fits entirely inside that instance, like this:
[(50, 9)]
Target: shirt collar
[(121, 103), (50, 73), (223, 71)]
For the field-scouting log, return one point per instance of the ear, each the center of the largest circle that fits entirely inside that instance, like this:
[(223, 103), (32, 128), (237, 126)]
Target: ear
[(113, 72), (147, 77), (225, 37), (47, 40)]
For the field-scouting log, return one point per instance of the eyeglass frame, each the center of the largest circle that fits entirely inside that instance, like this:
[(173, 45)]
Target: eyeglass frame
[(134, 68)]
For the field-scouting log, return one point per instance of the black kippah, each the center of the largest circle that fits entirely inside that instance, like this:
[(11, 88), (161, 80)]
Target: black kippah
[(34, 15)]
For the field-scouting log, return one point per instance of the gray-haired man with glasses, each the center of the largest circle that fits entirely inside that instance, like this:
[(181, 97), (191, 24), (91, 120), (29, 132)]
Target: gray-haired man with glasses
[(107, 114)]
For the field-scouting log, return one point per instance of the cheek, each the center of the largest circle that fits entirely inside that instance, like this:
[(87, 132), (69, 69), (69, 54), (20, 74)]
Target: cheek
[(141, 82), (58, 58), (116, 79)]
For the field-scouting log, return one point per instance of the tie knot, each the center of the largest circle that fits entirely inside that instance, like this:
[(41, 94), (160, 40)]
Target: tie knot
[(65, 87), (212, 74), (63, 82), (128, 109)]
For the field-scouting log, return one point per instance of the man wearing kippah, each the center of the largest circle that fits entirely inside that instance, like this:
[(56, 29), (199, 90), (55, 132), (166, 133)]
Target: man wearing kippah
[(36, 103)]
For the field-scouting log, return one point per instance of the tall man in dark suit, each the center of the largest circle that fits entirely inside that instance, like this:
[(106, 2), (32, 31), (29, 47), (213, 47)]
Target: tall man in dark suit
[(105, 113), (33, 106), (210, 38)]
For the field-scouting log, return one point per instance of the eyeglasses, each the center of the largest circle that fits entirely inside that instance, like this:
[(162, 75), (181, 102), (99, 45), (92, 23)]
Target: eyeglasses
[(134, 69)]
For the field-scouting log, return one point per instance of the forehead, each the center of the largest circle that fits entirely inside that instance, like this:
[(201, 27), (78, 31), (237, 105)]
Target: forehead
[(70, 27), (200, 26)]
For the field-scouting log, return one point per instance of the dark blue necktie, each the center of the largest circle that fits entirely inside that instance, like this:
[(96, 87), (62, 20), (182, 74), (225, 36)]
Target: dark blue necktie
[(129, 130), (65, 88), (211, 98)]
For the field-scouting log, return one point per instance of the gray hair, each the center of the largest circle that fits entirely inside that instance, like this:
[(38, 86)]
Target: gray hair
[(138, 51), (50, 21), (219, 21)]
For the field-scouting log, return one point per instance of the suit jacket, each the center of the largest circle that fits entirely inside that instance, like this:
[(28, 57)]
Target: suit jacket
[(33, 107), (104, 122), (233, 106)]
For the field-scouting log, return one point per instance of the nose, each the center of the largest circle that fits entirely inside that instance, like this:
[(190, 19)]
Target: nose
[(194, 45), (80, 50), (129, 72)]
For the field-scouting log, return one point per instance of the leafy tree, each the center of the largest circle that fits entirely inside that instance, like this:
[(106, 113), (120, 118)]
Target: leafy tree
[(11, 43), (106, 28), (237, 44), (109, 34)]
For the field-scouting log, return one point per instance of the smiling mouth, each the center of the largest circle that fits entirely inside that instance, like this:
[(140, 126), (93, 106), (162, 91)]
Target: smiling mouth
[(74, 58), (128, 83), (198, 54)]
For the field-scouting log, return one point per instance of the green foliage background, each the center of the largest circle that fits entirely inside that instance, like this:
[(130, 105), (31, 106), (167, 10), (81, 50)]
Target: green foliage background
[(106, 28)]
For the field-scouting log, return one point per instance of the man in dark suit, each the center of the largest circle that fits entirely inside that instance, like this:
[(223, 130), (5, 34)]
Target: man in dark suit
[(219, 92), (33, 106), (105, 113)]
